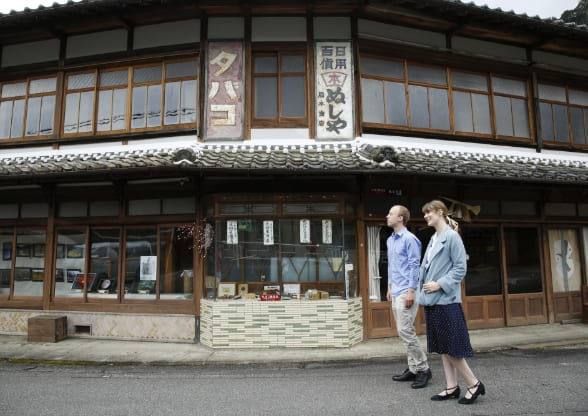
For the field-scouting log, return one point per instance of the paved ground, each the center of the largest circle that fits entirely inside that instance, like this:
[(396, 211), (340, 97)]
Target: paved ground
[(84, 350)]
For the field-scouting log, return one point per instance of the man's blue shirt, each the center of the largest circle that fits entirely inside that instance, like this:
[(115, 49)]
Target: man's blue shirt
[(404, 258)]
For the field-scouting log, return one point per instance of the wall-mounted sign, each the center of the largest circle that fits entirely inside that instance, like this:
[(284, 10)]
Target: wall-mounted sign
[(327, 232), (224, 99), (305, 231), (232, 232), (268, 233), (334, 90)]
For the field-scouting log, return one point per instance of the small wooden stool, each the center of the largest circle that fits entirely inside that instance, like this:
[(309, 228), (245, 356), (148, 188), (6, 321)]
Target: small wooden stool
[(47, 328)]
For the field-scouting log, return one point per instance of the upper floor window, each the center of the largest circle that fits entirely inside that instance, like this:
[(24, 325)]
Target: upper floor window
[(279, 83), (146, 97), (563, 114), (27, 108), (397, 93)]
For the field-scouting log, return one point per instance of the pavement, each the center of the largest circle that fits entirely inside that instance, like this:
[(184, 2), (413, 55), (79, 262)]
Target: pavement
[(16, 348)]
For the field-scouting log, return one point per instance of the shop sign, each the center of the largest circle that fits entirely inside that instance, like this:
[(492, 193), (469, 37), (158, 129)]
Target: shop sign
[(232, 232), (334, 90), (268, 233), (304, 231), (224, 98)]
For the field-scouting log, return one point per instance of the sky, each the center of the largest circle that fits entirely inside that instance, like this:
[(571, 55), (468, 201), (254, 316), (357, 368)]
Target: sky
[(543, 8)]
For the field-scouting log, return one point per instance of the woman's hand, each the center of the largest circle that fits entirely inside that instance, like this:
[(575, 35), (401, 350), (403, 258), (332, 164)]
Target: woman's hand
[(431, 287)]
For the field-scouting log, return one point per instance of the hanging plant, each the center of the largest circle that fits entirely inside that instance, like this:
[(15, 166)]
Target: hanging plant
[(201, 235)]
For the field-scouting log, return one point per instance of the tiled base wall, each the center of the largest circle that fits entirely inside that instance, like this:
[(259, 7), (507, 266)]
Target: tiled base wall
[(161, 328), (254, 324)]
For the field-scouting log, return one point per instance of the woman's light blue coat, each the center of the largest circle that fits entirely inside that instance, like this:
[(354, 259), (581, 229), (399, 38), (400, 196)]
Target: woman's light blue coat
[(446, 267)]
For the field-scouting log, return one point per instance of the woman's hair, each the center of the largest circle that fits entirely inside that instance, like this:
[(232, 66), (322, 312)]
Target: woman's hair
[(436, 205)]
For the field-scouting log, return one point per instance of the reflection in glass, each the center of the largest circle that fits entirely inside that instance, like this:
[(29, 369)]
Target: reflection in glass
[(69, 263), (522, 260), (176, 266), (103, 273), (483, 266), (140, 263), (29, 272), (6, 261), (33, 113)]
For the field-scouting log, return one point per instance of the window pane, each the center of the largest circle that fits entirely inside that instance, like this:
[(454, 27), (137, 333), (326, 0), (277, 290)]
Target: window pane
[(419, 106), (140, 263), (552, 92), (417, 73), (298, 259), (172, 103), (509, 86), (33, 114), (469, 81), (578, 128), (578, 97), (47, 112), (439, 109), (266, 98), (560, 114), (39, 86), (546, 119), (482, 122), (113, 78), (292, 63), (395, 103), (17, 89), (103, 275), (176, 268), (521, 118), (80, 81), (104, 110), (138, 118), (5, 119), (382, 68), (483, 249), (180, 69), (29, 273), (266, 64), (17, 118), (463, 111), (147, 74), (8, 250), (86, 111), (293, 103), (72, 108), (119, 111), (522, 260), (154, 106), (188, 102), (372, 101), (502, 112), (70, 260)]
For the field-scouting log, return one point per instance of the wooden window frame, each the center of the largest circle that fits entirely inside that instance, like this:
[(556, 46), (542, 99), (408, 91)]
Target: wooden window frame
[(278, 52), (27, 97)]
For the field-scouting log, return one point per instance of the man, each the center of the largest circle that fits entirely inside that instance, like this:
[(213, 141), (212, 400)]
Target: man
[(404, 255)]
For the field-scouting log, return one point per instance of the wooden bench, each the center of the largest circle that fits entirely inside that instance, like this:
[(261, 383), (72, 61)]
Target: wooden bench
[(47, 328)]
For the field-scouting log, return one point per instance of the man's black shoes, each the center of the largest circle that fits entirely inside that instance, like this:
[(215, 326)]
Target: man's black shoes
[(406, 376), (421, 379)]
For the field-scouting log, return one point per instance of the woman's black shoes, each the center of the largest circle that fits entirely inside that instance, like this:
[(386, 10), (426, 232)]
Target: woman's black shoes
[(453, 395), (475, 391)]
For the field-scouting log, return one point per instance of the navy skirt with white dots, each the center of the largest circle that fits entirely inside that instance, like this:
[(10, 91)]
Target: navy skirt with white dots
[(447, 332)]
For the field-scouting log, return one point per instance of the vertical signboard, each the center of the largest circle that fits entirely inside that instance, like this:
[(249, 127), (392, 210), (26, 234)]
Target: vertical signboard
[(334, 90), (224, 99)]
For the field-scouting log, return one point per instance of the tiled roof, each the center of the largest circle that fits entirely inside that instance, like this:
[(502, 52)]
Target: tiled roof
[(332, 158)]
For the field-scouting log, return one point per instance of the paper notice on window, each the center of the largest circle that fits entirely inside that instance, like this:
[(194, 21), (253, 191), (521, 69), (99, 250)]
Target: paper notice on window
[(304, 231), (232, 233), (268, 233), (327, 232)]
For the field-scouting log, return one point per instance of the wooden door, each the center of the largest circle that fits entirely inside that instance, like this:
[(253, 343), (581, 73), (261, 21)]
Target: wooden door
[(565, 269), (523, 286)]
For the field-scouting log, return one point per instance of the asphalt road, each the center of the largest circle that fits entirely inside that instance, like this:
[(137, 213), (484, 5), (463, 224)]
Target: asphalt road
[(532, 382)]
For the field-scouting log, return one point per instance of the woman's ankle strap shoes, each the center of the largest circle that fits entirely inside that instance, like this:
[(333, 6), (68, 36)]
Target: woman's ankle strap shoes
[(450, 393), (475, 391)]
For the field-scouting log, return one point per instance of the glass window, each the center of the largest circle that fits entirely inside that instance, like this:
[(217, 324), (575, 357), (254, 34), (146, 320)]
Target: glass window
[(29, 264), (36, 99), (279, 89), (483, 250), (471, 103), (140, 263), (176, 264), (565, 260), (511, 107), (79, 103), (103, 276), (563, 114), (70, 259), (523, 265), (6, 239)]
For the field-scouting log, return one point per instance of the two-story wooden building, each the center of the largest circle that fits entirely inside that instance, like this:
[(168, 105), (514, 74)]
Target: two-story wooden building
[(165, 164)]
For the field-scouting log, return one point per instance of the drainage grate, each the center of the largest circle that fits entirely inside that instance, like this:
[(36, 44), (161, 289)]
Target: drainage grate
[(83, 329)]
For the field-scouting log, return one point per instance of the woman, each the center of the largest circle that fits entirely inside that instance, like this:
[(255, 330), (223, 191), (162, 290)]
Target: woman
[(442, 270)]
